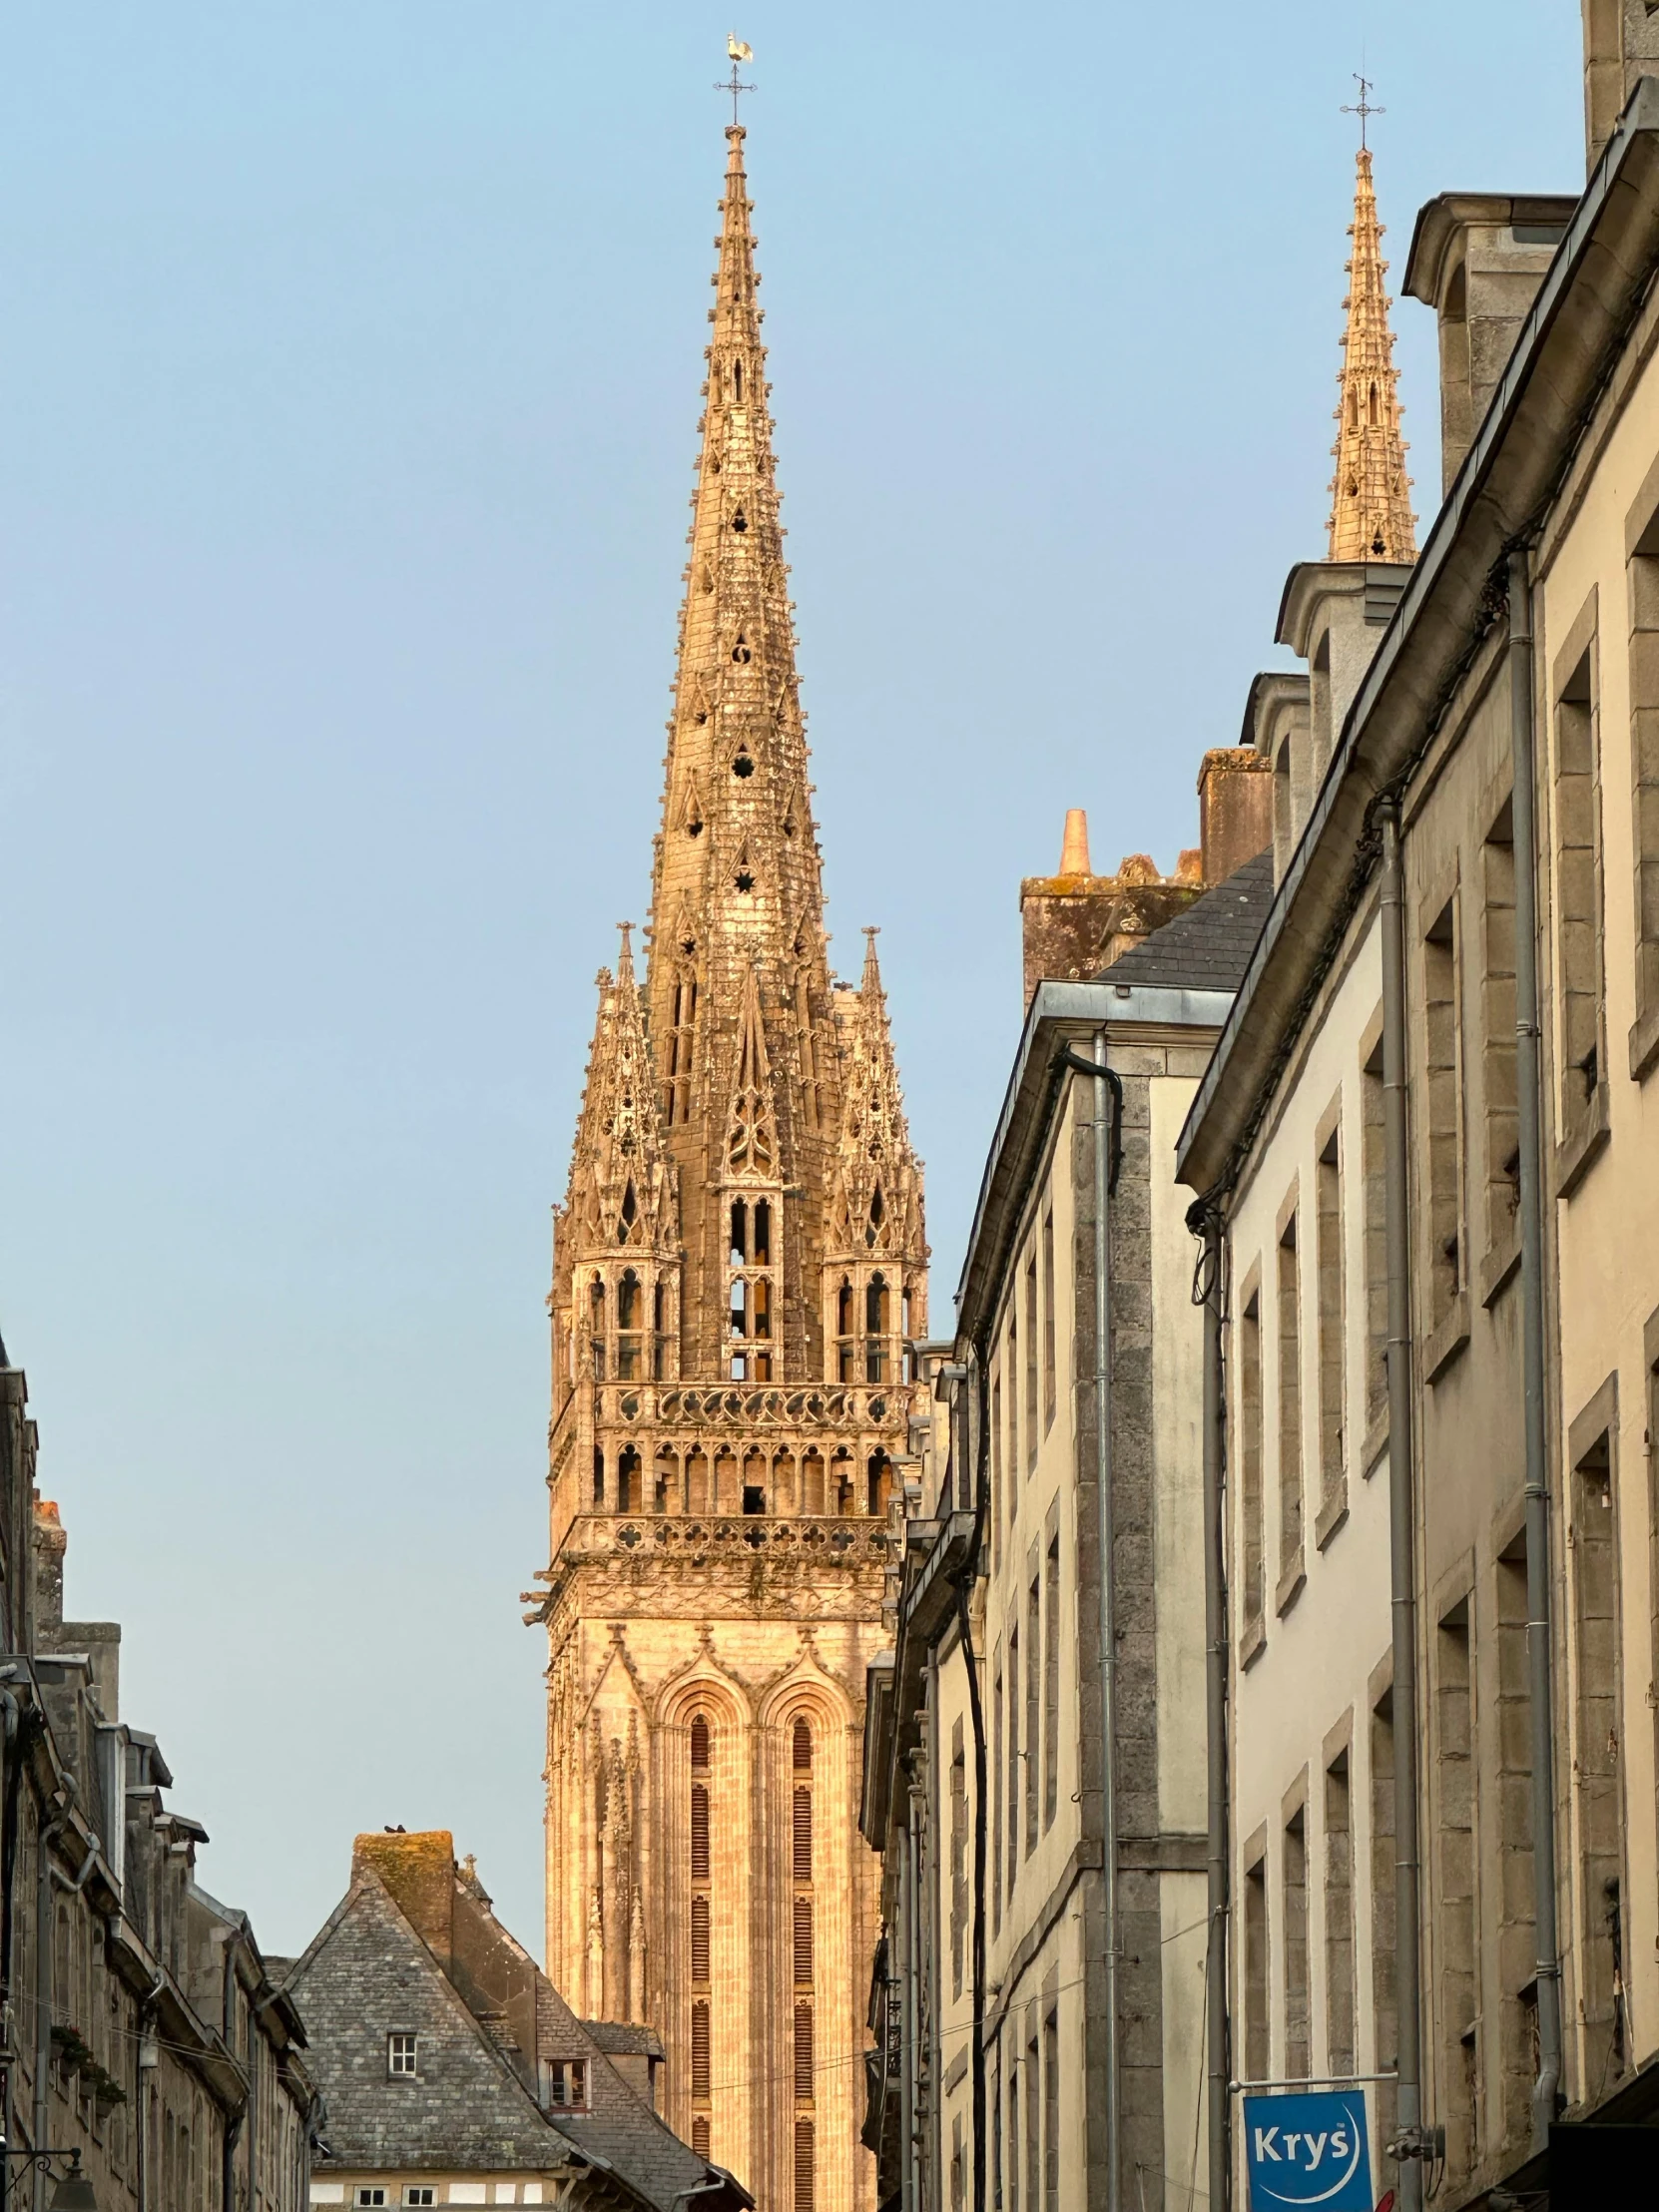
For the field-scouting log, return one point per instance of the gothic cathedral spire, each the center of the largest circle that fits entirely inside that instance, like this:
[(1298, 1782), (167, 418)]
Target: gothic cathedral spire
[(740, 1277), (1371, 493)]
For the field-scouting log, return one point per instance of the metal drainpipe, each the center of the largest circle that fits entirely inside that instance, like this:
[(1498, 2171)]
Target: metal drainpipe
[(1220, 2111), (1528, 1092), (1108, 1609), (1401, 1524)]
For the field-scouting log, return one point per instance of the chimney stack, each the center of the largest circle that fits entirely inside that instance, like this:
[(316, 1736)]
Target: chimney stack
[(419, 1871), (1235, 809)]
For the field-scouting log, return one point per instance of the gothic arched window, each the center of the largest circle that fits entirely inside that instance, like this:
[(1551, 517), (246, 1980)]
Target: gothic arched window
[(596, 1327), (630, 1321)]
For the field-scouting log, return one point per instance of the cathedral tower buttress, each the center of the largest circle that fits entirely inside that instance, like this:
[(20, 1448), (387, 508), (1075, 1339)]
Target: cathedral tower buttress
[(739, 1274)]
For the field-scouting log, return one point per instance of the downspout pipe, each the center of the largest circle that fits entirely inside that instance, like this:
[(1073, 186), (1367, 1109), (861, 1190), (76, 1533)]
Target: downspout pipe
[(1529, 1095), (1106, 1124), (1218, 2053), (1409, 2146)]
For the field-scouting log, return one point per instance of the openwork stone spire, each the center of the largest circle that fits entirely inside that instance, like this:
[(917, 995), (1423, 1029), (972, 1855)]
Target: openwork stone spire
[(1371, 493), (739, 1281)]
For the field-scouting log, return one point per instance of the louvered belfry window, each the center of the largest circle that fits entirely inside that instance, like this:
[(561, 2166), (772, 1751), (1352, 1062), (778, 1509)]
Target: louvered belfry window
[(804, 1834), (805, 2164), (802, 2054), (699, 2051), (700, 1912), (700, 1942)]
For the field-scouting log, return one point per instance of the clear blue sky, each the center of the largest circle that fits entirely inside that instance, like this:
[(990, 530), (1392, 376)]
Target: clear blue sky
[(349, 367)]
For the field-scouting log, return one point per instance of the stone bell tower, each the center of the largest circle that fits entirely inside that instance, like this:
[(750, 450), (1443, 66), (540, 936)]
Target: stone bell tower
[(740, 1271)]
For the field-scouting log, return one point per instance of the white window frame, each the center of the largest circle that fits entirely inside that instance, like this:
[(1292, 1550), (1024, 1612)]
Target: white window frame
[(401, 2045)]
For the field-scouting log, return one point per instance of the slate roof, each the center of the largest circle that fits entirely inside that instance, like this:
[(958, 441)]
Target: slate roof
[(369, 1973), (1208, 947)]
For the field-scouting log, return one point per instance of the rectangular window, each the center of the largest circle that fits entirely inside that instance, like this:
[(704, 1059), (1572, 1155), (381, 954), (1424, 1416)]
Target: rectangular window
[(402, 2056), (1339, 1918), (1592, 1558), (1517, 1941), (1374, 1171), (1050, 1392), (1333, 1321), (565, 2083), (1290, 1401), (997, 1492), (1014, 1758), (420, 2193), (1497, 1034), (1385, 2033), (803, 2051), (996, 1801), (1578, 896), (1013, 1408), (1442, 1067), (1644, 763), (1051, 1683), (958, 1855), (1033, 1691), (1251, 1502), (1051, 2112), (1297, 2043), (1013, 2139), (1258, 2054), (1458, 1914), (1031, 1423), (1033, 2123), (803, 1941), (370, 2195)]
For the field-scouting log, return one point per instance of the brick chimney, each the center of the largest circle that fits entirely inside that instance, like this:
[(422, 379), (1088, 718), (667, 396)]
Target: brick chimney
[(1235, 809), (419, 1871), (51, 1542)]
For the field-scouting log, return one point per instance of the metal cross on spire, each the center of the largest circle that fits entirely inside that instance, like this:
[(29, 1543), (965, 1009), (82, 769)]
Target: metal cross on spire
[(739, 51), (1361, 106)]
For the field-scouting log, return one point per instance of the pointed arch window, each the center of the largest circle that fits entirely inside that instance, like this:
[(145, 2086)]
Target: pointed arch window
[(700, 1916), (1372, 413), (878, 1320), (845, 1331), (628, 1213), (596, 1327), (630, 1325), (682, 1036), (737, 382), (658, 1330)]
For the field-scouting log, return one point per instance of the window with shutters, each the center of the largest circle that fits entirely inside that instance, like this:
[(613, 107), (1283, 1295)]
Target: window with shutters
[(804, 2050), (802, 1835), (699, 1832), (800, 1885), (700, 2136), (804, 1943)]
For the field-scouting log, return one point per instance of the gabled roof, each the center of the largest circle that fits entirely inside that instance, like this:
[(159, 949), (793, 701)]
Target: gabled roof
[(367, 1976), (369, 1973)]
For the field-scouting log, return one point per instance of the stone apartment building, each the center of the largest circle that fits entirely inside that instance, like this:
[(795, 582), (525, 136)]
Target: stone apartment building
[(453, 2072), (141, 2026), (1039, 1994), (1427, 1159)]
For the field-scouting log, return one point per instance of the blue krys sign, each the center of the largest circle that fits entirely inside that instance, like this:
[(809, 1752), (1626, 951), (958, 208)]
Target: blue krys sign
[(1308, 2149)]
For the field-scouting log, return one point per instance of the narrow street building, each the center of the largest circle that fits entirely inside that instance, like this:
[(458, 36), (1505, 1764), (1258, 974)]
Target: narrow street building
[(1440, 1074), (145, 2035), (740, 1269)]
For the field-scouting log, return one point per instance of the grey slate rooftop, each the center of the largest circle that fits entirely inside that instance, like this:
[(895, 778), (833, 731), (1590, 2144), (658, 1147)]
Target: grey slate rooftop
[(1208, 947)]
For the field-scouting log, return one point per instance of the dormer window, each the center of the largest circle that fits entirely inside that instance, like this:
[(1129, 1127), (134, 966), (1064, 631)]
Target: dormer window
[(565, 2085), (402, 2059)]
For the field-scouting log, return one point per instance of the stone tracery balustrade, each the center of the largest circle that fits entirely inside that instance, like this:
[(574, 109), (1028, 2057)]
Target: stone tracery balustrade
[(750, 1405), (834, 1539)]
